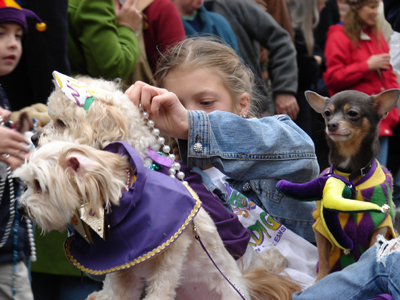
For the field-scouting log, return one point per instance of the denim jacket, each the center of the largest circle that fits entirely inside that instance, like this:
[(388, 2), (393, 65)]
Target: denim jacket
[(255, 154)]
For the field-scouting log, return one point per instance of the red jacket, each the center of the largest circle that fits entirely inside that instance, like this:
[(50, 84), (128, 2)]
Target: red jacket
[(165, 29), (347, 69)]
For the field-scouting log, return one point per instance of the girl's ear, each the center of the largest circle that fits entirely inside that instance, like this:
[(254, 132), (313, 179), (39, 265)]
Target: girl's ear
[(244, 104)]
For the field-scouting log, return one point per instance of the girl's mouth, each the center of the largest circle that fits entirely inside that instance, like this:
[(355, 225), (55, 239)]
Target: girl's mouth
[(10, 58)]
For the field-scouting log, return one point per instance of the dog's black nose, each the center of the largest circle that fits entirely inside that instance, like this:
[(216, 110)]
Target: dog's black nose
[(21, 210), (35, 139), (332, 126)]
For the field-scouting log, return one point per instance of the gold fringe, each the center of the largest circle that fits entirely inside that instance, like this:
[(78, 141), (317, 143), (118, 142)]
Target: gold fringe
[(144, 257)]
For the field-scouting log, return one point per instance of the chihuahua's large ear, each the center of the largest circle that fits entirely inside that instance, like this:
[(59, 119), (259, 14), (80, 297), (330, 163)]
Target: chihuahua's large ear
[(78, 163), (317, 102), (385, 101)]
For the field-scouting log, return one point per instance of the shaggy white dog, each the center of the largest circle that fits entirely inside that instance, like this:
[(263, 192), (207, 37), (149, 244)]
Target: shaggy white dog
[(61, 177)]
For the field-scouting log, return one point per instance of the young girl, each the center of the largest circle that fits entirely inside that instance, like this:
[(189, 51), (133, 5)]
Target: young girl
[(215, 128), (357, 58)]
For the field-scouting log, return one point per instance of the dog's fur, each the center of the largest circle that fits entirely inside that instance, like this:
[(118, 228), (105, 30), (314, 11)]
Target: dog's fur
[(112, 118), (352, 123), (61, 176)]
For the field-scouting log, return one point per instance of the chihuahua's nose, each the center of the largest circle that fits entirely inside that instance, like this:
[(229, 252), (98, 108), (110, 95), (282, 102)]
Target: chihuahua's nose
[(35, 139), (332, 126)]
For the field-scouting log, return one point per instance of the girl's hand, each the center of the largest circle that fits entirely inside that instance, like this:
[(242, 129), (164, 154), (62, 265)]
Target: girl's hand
[(164, 108), (129, 14), (5, 114), (11, 144), (379, 62)]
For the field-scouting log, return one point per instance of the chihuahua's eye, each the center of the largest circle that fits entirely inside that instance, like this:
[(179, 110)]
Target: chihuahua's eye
[(327, 113), (61, 123), (353, 114)]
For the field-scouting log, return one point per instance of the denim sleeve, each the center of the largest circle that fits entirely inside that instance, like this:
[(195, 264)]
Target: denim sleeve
[(249, 149)]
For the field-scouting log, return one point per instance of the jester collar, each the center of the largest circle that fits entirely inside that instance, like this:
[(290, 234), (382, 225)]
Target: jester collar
[(151, 216), (337, 194)]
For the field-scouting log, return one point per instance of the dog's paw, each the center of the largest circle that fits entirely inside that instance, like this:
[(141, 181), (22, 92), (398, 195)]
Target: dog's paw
[(274, 259)]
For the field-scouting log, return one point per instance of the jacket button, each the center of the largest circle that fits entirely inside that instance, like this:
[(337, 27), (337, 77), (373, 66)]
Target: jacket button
[(247, 187), (198, 147)]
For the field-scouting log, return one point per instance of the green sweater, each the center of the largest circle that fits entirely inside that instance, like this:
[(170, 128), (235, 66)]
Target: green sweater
[(51, 258), (96, 45)]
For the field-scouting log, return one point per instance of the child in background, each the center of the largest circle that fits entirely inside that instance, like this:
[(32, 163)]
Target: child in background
[(15, 246)]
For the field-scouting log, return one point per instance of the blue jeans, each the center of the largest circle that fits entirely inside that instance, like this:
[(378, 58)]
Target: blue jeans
[(375, 273)]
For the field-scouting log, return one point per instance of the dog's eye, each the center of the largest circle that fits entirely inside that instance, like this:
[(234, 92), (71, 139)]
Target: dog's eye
[(353, 114), (327, 114), (61, 123)]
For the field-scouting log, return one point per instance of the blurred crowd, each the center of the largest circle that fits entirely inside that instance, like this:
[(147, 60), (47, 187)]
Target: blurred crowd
[(291, 46)]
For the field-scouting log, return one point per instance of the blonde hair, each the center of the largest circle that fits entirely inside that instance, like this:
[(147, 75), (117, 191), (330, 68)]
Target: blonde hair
[(210, 53), (353, 24), (305, 16)]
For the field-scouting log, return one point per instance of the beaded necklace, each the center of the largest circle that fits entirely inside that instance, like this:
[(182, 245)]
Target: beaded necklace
[(151, 161)]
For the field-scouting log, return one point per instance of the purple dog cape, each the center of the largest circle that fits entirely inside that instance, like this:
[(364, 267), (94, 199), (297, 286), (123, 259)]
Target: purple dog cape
[(152, 214)]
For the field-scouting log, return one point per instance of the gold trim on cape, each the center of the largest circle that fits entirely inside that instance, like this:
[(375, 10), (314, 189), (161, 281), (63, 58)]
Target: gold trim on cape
[(144, 257)]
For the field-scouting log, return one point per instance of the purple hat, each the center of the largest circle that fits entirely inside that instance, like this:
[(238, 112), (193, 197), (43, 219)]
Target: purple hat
[(10, 11)]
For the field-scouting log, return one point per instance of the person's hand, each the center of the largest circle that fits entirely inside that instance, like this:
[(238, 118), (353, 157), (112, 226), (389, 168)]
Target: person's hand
[(11, 145), (5, 115), (379, 62), (14, 162), (164, 108), (318, 59), (129, 14), (286, 104)]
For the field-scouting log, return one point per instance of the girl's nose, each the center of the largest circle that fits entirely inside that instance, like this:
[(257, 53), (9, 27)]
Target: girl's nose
[(12, 42)]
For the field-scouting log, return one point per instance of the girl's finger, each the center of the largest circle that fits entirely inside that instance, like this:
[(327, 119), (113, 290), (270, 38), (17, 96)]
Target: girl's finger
[(148, 93), (134, 91)]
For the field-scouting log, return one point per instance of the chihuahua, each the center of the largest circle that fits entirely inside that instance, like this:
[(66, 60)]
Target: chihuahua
[(352, 126)]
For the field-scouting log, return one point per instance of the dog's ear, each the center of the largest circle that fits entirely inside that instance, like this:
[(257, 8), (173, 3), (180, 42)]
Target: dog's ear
[(317, 102), (385, 101), (79, 163)]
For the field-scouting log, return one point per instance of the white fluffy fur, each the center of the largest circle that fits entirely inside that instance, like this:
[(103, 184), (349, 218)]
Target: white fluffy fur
[(63, 189), (55, 190), (112, 118)]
